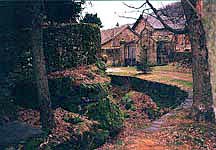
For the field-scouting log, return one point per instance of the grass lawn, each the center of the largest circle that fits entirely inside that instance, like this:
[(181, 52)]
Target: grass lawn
[(167, 74)]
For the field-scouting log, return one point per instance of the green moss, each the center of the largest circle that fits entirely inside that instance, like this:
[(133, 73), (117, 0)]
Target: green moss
[(108, 114), (128, 102)]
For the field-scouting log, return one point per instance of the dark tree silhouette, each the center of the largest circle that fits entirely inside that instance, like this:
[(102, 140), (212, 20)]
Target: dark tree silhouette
[(62, 11), (92, 18), (46, 114)]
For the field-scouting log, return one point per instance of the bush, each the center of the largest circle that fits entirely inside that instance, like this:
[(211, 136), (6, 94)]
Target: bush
[(107, 114), (101, 66), (25, 94), (127, 102)]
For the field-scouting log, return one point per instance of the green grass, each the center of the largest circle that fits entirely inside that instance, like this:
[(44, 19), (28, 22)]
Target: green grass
[(168, 68), (183, 82), (132, 71), (164, 68), (124, 71)]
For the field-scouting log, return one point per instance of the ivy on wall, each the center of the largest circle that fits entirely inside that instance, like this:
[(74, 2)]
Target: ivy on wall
[(71, 46)]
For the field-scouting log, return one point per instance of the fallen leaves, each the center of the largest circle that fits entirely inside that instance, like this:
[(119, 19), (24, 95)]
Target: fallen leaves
[(64, 130), (82, 74)]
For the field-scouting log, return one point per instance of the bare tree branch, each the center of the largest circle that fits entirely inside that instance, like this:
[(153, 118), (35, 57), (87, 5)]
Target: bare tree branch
[(127, 17), (133, 6), (176, 31)]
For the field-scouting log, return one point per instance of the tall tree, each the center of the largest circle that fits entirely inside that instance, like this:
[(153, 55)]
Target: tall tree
[(46, 114), (62, 11), (92, 18), (202, 94), (209, 20)]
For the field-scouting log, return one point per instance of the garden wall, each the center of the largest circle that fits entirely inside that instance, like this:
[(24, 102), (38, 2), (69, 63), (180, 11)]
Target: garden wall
[(71, 46), (160, 93)]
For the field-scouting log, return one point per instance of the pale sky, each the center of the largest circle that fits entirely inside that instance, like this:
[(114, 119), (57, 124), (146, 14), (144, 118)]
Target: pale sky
[(110, 11)]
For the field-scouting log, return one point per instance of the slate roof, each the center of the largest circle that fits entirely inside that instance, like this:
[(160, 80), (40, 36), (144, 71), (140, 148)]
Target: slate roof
[(170, 14), (109, 34)]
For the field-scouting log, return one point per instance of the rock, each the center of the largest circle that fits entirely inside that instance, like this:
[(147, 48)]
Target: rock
[(16, 132)]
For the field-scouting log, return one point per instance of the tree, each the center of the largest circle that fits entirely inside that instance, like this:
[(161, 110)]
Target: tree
[(62, 11), (143, 38), (143, 65), (202, 95), (46, 114), (92, 18), (209, 20), (202, 92)]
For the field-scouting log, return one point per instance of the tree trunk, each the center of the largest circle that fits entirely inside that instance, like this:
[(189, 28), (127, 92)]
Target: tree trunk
[(210, 24), (46, 114), (202, 96)]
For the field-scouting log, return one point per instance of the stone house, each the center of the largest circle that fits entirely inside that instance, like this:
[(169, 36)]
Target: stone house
[(119, 44), (160, 43), (122, 45)]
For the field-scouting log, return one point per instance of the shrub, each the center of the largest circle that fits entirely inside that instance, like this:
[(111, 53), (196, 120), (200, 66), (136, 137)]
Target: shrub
[(107, 114), (127, 102)]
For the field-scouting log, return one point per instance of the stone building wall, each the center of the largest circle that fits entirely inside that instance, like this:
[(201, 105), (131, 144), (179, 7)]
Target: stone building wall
[(126, 35), (141, 25), (113, 50), (182, 43)]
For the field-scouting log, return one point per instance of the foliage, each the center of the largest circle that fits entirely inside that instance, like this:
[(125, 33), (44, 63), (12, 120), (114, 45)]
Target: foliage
[(127, 102), (63, 11), (92, 18), (107, 113), (63, 48), (183, 59), (74, 120), (101, 66), (89, 140), (143, 64)]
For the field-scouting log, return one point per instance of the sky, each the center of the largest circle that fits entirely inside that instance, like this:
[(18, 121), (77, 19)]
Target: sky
[(111, 12)]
